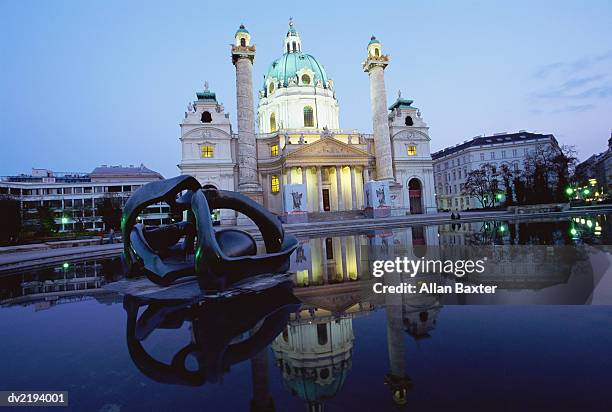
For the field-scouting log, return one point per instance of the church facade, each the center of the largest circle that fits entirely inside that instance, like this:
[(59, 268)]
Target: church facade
[(299, 139)]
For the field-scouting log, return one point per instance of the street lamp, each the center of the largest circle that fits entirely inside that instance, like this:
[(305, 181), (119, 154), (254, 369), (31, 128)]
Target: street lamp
[(569, 191)]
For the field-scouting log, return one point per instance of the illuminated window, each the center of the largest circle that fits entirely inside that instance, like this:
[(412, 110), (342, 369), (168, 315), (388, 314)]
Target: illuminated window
[(272, 122), (308, 117), (207, 151), (305, 79), (274, 184), (412, 150), (376, 52), (271, 88), (274, 150)]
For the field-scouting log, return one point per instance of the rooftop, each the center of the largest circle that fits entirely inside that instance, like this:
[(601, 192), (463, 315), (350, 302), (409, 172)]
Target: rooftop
[(497, 138), (104, 172)]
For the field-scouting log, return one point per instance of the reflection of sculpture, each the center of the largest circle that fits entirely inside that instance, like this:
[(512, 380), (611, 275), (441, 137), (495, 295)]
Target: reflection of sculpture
[(223, 333), (222, 257), (380, 194), (297, 200), (300, 256)]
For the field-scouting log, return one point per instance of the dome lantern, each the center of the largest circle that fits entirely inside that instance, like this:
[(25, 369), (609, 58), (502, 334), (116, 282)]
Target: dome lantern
[(293, 43)]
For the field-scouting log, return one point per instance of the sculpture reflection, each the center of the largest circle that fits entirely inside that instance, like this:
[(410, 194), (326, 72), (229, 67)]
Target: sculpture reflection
[(223, 333)]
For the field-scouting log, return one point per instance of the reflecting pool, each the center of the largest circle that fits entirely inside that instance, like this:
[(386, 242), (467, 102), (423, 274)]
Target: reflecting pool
[(541, 343)]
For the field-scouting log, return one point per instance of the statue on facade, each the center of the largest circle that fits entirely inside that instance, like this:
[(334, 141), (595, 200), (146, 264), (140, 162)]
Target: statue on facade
[(206, 86), (190, 107), (380, 194), (297, 200), (301, 140), (350, 139), (292, 81)]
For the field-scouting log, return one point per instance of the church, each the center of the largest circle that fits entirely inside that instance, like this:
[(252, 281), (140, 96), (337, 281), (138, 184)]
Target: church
[(299, 140)]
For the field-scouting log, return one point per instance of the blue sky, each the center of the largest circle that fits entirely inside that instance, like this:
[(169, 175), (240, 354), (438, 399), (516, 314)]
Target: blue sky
[(90, 83)]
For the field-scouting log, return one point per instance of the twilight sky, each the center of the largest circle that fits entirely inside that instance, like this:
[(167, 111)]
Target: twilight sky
[(90, 83)]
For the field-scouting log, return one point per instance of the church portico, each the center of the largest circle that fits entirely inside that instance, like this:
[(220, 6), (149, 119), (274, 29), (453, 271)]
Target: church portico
[(329, 187)]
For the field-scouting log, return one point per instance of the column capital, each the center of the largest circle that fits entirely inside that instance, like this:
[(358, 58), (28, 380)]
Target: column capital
[(371, 63), (243, 52)]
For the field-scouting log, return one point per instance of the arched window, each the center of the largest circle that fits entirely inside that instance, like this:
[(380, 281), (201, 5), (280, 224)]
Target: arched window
[(305, 79), (272, 122), (322, 333), (409, 121), (376, 52), (294, 46), (243, 42), (271, 88), (288, 48), (308, 117), (206, 117)]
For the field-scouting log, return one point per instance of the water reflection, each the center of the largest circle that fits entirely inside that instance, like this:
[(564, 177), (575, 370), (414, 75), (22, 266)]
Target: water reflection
[(310, 345), (222, 333)]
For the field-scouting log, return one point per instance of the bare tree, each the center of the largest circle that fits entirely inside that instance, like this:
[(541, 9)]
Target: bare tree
[(482, 184)]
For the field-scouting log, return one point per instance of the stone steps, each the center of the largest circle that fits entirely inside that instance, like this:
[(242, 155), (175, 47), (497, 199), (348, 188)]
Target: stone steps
[(334, 216)]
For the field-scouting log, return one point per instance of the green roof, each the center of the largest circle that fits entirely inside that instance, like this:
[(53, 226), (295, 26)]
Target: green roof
[(290, 63), (242, 29), (373, 40), (402, 103), (206, 95)]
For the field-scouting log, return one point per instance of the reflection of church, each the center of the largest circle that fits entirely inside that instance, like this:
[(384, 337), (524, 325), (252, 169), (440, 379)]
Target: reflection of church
[(314, 357), (299, 140)]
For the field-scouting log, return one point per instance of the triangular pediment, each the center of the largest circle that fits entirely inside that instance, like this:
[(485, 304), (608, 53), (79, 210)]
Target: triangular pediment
[(328, 147)]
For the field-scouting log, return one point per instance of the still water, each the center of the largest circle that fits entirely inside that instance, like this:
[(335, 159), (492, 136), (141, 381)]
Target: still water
[(332, 348)]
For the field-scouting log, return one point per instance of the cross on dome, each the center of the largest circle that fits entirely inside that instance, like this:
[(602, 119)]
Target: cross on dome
[(293, 43)]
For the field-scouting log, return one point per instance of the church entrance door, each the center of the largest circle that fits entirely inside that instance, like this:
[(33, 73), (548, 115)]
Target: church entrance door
[(326, 200), (415, 197)]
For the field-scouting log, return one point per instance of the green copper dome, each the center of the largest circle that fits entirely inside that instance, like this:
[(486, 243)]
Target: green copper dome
[(289, 64), (373, 40)]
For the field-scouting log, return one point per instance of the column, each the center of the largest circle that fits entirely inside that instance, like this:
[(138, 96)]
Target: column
[(344, 258), (339, 188), (375, 65), (366, 175), (320, 188), (289, 175), (324, 261), (353, 190), (305, 183), (358, 255), (262, 399), (242, 58)]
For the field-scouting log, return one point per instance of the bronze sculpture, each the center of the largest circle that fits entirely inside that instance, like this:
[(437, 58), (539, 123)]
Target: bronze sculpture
[(220, 257)]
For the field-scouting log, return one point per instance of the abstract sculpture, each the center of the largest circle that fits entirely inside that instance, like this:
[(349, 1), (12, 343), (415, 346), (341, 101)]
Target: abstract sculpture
[(220, 257)]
